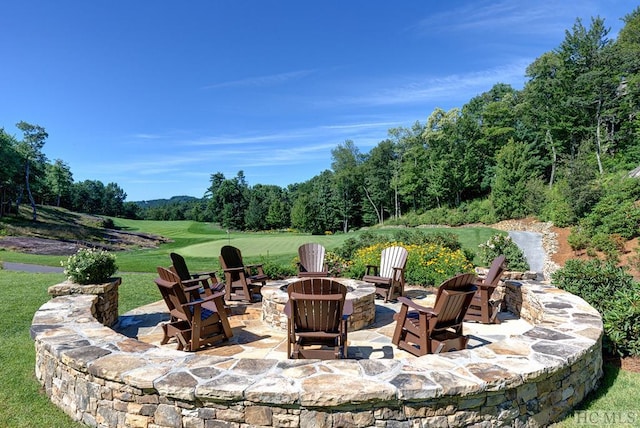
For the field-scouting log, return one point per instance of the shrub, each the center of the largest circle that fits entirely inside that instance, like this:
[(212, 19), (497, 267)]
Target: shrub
[(612, 292), (365, 239), (277, 270), (503, 244), (557, 208), (90, 266), (610, 245), (578, 239), (336, 264)]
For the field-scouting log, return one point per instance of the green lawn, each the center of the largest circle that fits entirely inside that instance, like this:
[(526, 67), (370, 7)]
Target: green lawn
[(200, 243), (24, 404)]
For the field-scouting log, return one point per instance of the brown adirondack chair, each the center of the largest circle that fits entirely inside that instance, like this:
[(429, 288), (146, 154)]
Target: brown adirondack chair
[(311, 262), (439, 329), (241, 281), (317, 315), (388, 277), (483, 307), (195, 322), (208, 280)]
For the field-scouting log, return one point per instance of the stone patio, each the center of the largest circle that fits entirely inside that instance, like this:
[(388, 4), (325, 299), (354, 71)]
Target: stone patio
[(519, 373), (255, 338)]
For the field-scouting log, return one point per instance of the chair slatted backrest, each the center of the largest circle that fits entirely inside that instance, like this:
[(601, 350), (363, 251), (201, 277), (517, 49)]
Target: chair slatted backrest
[(311, 257), (317, 304), (495, 271), (180, 266), (392, 257), (453, 298), (232, 256), (170, 275), (172, 293)]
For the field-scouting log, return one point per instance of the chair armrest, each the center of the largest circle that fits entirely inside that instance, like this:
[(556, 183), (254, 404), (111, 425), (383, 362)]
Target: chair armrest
[(258, 265), (199, 274), (214, 296), (398, 273), (188, 289), (193, 282), (236, 269), (410, 303)]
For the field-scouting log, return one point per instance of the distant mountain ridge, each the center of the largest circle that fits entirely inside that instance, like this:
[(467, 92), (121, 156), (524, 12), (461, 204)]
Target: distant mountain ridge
[(153, 203)]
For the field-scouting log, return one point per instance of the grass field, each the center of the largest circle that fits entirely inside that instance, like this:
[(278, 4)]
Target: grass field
[(200, 243), (24, 404)]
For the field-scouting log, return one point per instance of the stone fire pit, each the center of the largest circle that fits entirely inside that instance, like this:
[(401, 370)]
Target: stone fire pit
[(362, 294)]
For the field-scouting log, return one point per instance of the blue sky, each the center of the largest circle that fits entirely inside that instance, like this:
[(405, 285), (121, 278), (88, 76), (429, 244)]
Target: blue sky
[(158, 95)]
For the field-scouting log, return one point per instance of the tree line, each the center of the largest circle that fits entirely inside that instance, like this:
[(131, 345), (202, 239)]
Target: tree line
[(27, 176), (545, 150)]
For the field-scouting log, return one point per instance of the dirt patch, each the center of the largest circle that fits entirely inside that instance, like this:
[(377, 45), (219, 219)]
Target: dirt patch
[(564, 252), (113, 240)]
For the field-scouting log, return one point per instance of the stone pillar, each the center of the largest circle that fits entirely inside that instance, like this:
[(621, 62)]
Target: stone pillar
[(106, 308)]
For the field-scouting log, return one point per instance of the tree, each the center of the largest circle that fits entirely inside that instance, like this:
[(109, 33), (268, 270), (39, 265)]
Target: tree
[(88, 196), (514, 170), (58, 179), (113, 200), (586, 77), (346, 161), (412, 175), (379, 170), (10, 170), (234, 197), (215, 203), (30, 148)]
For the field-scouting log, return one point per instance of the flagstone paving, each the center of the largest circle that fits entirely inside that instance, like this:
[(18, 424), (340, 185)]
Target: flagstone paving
[(254, 338)]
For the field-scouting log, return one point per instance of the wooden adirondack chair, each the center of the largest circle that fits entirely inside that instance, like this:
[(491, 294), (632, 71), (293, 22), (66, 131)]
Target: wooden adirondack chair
[(311, 261), (317, 315), (439, 329), (241, 281), (207, 280), (483, 307), (389, 276), (195, 322)]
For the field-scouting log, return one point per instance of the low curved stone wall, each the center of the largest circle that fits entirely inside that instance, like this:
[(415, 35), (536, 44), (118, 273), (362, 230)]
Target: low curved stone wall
[(105, 379)]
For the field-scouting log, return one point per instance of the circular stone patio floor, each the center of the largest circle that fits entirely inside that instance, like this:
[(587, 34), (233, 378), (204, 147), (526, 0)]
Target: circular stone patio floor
[(254, 338)]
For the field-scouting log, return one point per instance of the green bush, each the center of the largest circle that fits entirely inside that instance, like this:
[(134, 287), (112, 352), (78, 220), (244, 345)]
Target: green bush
[(557, 208), (610, 245), (89, 266), (278, 270), (578, 239), (502, 244), (612, 292), (616, 212)]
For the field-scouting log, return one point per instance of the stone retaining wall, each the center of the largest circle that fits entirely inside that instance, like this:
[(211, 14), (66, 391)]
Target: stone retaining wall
[(108, 380), (106, 306)]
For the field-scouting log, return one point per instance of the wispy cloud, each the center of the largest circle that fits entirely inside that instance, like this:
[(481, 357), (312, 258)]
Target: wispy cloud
[(437, 88), (258, 81), (531, 18)]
